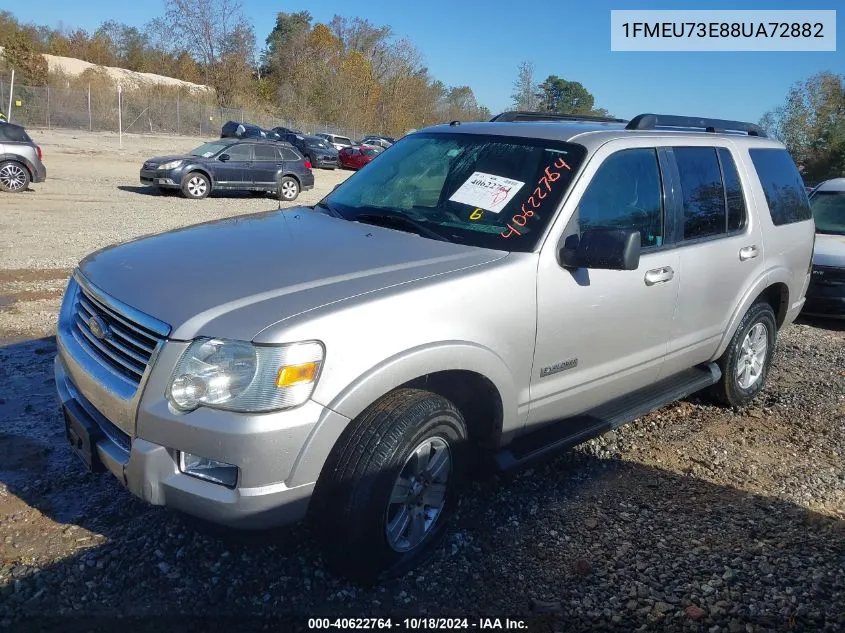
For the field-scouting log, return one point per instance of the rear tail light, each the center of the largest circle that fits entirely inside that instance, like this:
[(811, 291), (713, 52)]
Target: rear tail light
[(38, 152), (307, 164)]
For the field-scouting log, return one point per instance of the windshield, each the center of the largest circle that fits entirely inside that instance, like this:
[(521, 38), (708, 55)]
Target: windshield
[(207, 150), (829, 211), (317, 142), (490, 191), (342, 140)]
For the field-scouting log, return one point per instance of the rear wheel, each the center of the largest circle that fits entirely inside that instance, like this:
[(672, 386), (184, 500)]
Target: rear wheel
[(196, 186), (745, 363), (287, 189), (389, 488), (14, 177)]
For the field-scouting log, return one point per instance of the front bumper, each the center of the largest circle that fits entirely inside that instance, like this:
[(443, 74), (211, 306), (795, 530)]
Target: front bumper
[(826, 300), (160, 178), (150, 471)]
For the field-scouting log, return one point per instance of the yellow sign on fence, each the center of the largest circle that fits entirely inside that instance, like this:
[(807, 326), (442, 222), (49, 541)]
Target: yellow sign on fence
[(18, 103)]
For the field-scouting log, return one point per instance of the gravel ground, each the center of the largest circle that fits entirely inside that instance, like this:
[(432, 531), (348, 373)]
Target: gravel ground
[(694, 518)]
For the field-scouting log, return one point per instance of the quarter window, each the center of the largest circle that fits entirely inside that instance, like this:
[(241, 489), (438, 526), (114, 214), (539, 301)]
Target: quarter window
[(289, 154), (782, 184), (625, 193)]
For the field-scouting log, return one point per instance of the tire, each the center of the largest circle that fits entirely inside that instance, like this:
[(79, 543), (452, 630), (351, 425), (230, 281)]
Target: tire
[(364, 535), (288, 189), (196, 186), (745, 363), (14, 177)]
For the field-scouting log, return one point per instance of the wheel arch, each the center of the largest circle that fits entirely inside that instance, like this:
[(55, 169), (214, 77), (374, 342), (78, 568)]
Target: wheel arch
[(20, 160), (201, 169), (474, 378), (772, 287)]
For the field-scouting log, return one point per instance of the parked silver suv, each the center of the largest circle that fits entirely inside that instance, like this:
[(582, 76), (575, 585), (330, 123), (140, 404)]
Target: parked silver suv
[(503, 289)]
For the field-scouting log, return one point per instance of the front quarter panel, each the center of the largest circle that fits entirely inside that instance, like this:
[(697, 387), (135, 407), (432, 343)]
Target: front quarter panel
[(481, 320)]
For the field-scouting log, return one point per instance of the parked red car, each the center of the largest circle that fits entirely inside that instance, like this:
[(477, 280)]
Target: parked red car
[(357, 156)]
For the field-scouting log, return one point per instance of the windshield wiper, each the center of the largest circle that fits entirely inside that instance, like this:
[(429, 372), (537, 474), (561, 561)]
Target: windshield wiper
[(332, 212), (397, 220)]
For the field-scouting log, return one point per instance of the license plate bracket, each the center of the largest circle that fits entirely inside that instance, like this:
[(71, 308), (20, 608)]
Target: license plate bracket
[(83, 436)]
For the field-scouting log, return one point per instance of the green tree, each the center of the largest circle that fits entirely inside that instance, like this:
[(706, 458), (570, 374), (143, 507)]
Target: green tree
[(811, 123), (565, 97), (20, 54)]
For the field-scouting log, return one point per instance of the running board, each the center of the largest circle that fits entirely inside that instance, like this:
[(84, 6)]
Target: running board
[(569, 432)]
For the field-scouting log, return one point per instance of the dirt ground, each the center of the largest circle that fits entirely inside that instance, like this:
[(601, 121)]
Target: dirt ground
[(694, 518), (92, 198)]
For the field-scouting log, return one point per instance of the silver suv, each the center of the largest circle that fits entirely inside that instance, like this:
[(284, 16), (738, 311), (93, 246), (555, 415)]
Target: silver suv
[(20, 159), (482, 293)]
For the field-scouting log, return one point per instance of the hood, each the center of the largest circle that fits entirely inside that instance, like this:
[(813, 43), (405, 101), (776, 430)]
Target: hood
[(234, 277), (829, 250)]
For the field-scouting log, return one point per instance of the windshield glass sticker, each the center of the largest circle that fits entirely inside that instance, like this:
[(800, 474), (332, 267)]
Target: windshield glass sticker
[(544, 185), (487, 191)]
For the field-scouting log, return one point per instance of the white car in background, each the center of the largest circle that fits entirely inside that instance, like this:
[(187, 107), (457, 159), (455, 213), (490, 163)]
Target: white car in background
[(826, 293), (336, 141)]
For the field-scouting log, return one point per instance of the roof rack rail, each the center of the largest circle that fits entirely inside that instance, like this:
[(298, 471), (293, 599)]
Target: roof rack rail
[(524, 115), (654, 121)]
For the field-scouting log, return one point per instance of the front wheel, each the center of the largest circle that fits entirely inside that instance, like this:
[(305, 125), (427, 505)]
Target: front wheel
[(389, 487), (288, 189), (745, 363), (196, 186)]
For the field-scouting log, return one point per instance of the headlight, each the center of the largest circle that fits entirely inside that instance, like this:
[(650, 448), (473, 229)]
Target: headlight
[(171, 165), (240, 376)]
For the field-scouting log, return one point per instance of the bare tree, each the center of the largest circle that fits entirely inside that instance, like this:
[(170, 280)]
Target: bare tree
[(525, 89), (218, 35)]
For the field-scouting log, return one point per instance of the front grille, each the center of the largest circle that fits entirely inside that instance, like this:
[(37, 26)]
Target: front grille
[(125, 347)]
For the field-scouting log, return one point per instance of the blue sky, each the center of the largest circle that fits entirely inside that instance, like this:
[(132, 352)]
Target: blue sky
[(481, 44)]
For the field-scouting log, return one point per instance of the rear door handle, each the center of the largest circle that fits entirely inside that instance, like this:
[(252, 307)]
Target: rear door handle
[(749, 252), (659, 275)]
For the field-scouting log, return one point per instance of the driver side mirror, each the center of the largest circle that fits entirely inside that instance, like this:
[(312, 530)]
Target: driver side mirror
[(223, 158), (608, 249)]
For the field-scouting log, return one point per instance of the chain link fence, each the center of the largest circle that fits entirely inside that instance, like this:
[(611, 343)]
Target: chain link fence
[(137, 112)]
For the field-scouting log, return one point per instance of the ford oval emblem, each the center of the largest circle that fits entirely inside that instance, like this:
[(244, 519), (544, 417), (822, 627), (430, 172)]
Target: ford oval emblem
[(99, 327)]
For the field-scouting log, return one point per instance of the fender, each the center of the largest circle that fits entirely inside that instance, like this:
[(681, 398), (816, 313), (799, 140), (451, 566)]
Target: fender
[(392, 373), (17, 158), (766, 279), (203, 169)]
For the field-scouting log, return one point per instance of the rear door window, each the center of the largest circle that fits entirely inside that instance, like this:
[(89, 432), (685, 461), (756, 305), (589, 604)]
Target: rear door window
[(266, 153), (782, 184), (240, 152), (705, 208)]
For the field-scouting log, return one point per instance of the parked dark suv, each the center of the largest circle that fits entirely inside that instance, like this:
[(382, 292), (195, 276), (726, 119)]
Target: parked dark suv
[(20, 159), (317, 150), (236, 129), (233, 164)]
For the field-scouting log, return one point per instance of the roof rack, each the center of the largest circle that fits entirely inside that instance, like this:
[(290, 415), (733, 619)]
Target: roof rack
[(654, 121), (523, 115)]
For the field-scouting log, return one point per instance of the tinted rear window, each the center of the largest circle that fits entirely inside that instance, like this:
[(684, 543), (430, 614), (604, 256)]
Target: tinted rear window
[(782, 184), (13, 133), (703, 192)]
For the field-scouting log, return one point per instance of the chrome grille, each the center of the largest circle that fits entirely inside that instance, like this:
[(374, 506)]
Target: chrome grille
[(126, 347)]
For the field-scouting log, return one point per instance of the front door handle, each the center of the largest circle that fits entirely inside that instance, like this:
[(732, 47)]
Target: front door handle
[(659, 275), (749, 252)]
